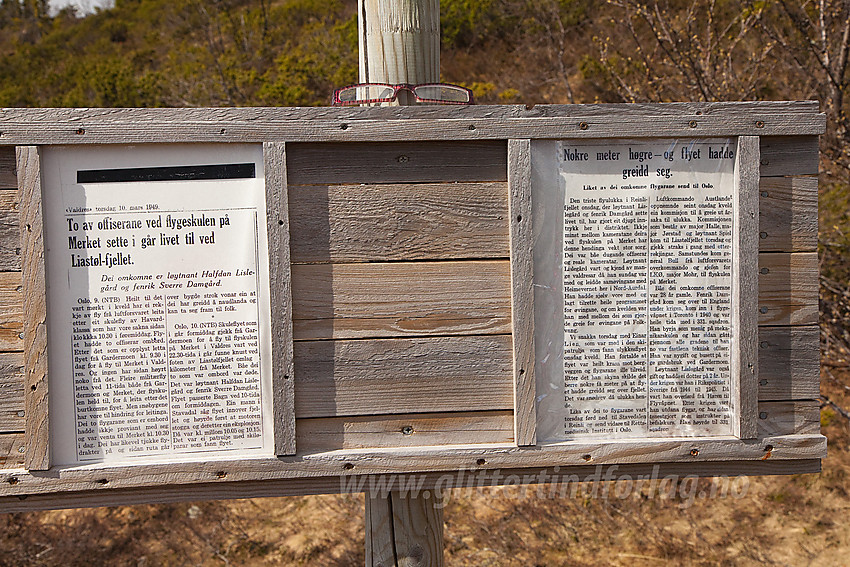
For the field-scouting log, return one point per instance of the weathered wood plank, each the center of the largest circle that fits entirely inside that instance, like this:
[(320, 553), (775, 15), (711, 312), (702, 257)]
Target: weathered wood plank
[(417, 528), (788, 289), (378, 377), (280, 295), (414, 430), (8, 177), (12, 416), (373, 223), (11, 311), (522, 297), (563, 479), (789, 363), (745, 288), (55, 126), (400, 299), (700, 451), (793, 418), (397, 162), (219, 115), (788, 214), (12, 449), (380, 544), (35, 308), (789, 155), (10, 236)]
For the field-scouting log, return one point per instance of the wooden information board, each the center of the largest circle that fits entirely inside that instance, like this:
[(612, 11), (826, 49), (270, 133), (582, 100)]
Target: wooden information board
[(226, 303)]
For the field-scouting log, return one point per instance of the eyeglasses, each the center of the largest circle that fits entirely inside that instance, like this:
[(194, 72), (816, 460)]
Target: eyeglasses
[(366, 93)]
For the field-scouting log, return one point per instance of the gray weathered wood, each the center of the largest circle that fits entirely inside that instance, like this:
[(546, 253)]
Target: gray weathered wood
[(789, 363), (563, 479), (773, 417), (370, 223), (401, 299), (12, 449), (11, 310), (745, 287), (380, 540), (414, 430), (396, 162), (788, 289), (392, 376), (522, 294), (223, 115), (789, 155), (35, 309), (280, 293), (8, 177), (12, 408), (788, 219), (97, 126), (417, 528), (10, 236)]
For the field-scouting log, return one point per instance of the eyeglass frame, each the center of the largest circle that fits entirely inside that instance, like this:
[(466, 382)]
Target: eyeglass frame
[(398, 88)]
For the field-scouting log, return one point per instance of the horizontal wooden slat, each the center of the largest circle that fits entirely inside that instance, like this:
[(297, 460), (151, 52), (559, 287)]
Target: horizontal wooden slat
[(788, 289), (11, 453), (400, 299), (788, 155), (560, 477), (378, 377), (396, 162), (253, 125), (789, 418), (10, 241), (8, 179), (416, 430), (788, 214), (789, 363), (371, 223), (12, 416), (11, 311)]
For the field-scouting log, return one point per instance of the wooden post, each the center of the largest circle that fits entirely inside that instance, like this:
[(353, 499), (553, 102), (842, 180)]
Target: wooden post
[(400, 43)]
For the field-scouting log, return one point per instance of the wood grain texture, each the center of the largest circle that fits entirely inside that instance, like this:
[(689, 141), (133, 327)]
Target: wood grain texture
[(35, 309), (400, 299), (788, 155), (12, 408), (789, 363), (101, 126), (380, 541), (374, 223), (522, 293), (8, 176), (11, 311), (397, 162), (745, 287), (564, 480), (10, 236), (788, 214), (414, 430), (788, 289), (280, 292), (778, 416), (392, 376), (12, 449)]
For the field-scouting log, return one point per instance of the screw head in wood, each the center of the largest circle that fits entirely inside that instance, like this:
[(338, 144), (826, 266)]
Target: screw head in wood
[(407, 430), (582, 126), (759, 124), (692, 124)]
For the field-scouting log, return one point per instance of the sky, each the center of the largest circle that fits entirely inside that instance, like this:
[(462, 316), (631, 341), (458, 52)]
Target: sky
[(83, 6)]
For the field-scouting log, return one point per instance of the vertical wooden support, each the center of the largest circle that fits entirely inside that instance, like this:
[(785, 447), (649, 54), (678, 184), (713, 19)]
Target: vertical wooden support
[(745, 287), (522, 293), (399, 42), (283, 369), (403, 530), (35, 309)]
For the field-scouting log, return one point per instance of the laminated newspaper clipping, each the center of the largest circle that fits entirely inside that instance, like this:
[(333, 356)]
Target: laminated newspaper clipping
[(646, 236), (158, 309)]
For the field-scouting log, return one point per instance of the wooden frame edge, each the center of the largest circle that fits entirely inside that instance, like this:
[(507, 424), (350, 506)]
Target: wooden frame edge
[(522, 291), (745, 287), (37, 455), (280, 279)]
